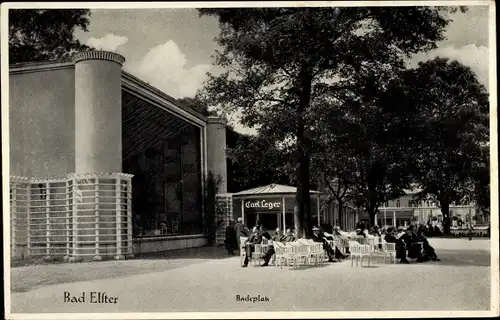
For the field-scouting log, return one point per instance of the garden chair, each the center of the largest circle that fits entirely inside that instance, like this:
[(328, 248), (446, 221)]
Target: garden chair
[(365, 251), (279, 258), (354, 249), (257, 254), (389, 250)]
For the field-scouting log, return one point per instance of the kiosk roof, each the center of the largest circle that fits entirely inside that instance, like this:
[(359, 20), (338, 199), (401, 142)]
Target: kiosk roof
[(270, 189)]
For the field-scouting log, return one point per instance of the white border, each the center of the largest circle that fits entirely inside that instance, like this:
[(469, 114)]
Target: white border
[(241, 315)]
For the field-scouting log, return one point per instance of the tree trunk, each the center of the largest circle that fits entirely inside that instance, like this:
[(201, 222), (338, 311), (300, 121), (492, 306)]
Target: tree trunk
[(445, 210), (341, 207), (303, 217)]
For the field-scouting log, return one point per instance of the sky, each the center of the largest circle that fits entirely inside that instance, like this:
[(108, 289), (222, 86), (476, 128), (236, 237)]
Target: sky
[(172, 49)]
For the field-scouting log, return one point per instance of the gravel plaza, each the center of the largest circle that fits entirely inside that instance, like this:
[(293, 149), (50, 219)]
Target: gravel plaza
[(207, 280)]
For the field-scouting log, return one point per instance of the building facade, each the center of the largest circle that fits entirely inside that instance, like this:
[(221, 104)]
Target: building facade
[(88, 116), (406, 210)]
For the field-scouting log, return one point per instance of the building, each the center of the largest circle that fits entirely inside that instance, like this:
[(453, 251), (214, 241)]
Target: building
[(406, 210), (88, 117)]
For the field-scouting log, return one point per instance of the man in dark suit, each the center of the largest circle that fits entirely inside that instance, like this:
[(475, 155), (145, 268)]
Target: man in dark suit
[(412, 244), (255, 238), (390, 237), (429, 253), (230, 241), (240, 230), (319, 237), (278, 237)]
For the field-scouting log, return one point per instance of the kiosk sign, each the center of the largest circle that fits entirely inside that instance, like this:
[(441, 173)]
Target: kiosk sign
[(263, 204)]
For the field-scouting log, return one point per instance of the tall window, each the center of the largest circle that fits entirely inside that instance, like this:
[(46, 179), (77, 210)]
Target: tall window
[(163, 152), (398, 204)]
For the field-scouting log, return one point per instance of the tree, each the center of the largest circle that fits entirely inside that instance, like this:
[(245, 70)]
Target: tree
[(45, 34), (197, 105), (255, 162), (280, 60), (453, 111), (481, 184)]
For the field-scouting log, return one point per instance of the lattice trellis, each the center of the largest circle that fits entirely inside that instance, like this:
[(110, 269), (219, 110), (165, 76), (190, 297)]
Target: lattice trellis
[(224, 214), (76, 217)]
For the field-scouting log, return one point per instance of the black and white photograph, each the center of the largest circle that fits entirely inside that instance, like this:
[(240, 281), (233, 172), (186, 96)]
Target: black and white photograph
[(249, 159)]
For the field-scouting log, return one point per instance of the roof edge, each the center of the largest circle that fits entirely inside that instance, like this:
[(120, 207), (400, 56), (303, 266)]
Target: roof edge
[(142, 85)]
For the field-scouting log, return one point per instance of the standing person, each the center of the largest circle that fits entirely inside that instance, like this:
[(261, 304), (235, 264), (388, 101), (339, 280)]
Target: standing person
[(241, 231), (231, 242), (469, 231)]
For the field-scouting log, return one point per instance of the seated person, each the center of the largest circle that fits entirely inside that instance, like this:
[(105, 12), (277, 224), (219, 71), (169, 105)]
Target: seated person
[(412, 244), (290, 237), (319, 237), (390, 237), (400, 232), (255, 238), (429, 252), (360, 233), (343, 235), (375, 231), (360, 225), (278, 236), (338, 253)]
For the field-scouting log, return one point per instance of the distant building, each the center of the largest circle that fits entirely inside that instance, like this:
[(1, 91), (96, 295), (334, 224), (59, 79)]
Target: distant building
[(406, 210)]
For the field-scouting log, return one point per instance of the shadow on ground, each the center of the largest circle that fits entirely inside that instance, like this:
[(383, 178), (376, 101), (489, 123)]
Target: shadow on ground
[(463, 258), (210, 253)]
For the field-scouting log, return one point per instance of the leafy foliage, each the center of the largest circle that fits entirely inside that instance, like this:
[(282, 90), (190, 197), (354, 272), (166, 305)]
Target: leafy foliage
[(45, 34), (211, 189), (451, 116), (286, 65)]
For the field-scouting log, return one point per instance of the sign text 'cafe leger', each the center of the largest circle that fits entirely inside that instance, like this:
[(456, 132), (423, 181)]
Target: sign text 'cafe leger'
[(263, 204)]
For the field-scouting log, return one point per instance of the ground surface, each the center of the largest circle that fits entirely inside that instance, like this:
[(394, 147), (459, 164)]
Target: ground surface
[(206, 279)]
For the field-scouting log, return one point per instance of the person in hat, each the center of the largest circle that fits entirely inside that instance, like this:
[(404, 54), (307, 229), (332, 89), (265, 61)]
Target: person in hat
[(240, 231), (390, 237), (255, 238), (318, 237)]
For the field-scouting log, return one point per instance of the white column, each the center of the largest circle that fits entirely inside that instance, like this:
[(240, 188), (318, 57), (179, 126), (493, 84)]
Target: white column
[(97, 255), (98, 111), (28, 218), (128, 195), (243, 210), (317, 209), (385, 218), (118, 220), (13, 227), (66, 226), (284, 214), (76, 200), (47, 218), (393, 218)]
